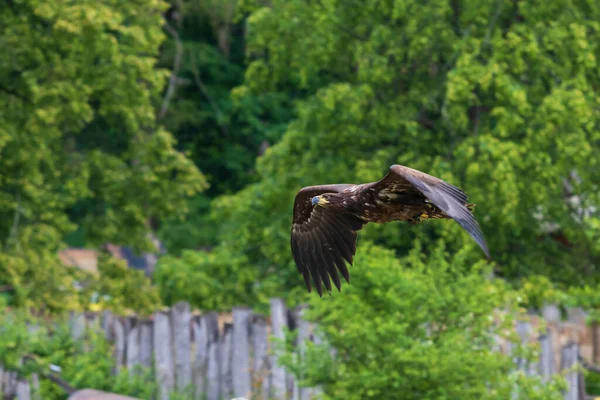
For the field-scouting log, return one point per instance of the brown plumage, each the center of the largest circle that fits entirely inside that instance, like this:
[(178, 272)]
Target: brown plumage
[(328, 217)]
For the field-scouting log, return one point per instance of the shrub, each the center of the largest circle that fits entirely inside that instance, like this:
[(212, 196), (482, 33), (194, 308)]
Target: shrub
[(84, 363), (120, 289), (420, 328)]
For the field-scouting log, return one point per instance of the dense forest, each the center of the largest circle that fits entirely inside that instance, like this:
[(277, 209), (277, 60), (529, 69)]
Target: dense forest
[(197, 121)]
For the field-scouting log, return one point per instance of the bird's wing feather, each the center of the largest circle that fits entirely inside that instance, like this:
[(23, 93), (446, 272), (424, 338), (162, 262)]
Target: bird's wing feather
[(448, 198), (322, 241)]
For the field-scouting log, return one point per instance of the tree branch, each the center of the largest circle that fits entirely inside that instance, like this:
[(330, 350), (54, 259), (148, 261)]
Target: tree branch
[(50, 376), (208, 97), (63, 384), (586, 365), (176, 65)]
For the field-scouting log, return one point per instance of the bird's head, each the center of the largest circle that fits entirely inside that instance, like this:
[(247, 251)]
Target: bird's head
[(319, 200)]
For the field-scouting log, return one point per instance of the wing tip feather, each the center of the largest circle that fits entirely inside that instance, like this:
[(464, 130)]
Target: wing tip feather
[(323, 249)]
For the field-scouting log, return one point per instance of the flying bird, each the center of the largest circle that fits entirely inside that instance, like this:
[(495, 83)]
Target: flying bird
[(327, 218)]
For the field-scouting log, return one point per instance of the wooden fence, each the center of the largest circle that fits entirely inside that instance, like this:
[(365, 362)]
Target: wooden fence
[(223, 356)]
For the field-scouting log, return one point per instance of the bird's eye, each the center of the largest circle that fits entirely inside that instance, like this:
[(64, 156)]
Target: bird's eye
[(314, 200)]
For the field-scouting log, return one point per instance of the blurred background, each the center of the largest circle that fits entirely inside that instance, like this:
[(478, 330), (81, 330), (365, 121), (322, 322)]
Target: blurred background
[(150, 152)]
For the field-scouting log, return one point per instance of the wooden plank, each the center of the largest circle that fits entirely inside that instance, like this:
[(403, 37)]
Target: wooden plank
[(2, 377), (146, 349), (213, 387), (77, 325), (547, 366), (240, 357), (260, 360), (205, 331), (278, 373), (525, 330), (120, 343), (551, 313), (181, 317), (225, 361), (107, 321), (132, 348), (570, 353), (165, 376), (200, 336), (10, 384), (23, 391)]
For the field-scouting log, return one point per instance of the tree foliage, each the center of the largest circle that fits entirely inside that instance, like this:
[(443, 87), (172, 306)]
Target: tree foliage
[(494, 97), (109, 111), (80, 148), (222, 133), (427, 330), (119, 288)]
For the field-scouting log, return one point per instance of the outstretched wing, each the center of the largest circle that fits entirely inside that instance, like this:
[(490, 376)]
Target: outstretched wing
[(322, 240), (448, 198)]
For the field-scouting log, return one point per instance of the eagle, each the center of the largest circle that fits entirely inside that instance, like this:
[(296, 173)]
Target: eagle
[(326, 218)]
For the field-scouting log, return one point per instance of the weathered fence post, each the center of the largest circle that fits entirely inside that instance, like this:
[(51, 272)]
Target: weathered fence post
[(200, 336), (551, 313), (146, 348), (206, 330), (225, 361), (181, 316), (77, 325), (547, 366), (3, 381), (163, 354), (132, 347), (23, 390), (240, 357), (92, 321), (569, 359), (9, 384), (106, 323), (260, 359), (120, 342), (213, 387), (525, 330), (278, 373)]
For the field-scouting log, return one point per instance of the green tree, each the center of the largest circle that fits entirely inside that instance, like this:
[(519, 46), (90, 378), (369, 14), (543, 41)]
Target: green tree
[(221, 133), (80, 147), (498, 98), (422, 327)]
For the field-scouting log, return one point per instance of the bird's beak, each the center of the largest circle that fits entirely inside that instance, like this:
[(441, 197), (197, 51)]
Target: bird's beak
[(322, 201), (319, 200)]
